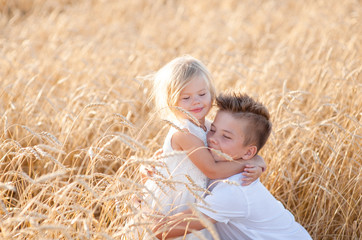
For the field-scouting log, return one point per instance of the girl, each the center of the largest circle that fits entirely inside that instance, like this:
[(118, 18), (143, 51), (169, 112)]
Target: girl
[(183, 90)]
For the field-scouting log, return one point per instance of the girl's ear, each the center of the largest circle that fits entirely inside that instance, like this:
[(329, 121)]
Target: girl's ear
[(250, 153)]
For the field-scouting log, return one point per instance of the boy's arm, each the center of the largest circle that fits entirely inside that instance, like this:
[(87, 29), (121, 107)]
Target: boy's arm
[(203, 159), (176, 225)]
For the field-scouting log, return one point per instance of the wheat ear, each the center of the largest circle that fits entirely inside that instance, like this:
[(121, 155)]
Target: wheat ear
[(188, 114)]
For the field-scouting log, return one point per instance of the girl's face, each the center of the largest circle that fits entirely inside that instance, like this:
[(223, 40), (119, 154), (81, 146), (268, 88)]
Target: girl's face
[(196, 99), (226, 135)]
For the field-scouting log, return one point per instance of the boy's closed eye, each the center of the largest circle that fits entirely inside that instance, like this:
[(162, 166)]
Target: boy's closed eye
[(227, 137)]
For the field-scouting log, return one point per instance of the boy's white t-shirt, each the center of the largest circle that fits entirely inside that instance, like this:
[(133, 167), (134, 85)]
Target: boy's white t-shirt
[(249, 212)]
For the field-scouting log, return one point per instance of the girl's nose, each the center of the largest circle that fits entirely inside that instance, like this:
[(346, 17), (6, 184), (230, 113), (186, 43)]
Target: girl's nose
[(195, 100)]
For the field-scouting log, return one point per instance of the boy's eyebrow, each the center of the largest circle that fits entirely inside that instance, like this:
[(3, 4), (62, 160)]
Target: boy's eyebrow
[(212, 125), (228, 131)]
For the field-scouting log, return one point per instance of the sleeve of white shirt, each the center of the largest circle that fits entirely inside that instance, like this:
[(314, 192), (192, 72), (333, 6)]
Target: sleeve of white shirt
[(225, 202)]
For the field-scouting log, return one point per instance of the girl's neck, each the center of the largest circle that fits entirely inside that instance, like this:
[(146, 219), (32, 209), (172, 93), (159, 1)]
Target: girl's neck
[(200, 123)]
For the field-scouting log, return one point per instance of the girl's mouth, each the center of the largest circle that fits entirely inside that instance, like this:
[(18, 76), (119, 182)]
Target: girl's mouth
[(197, 110)]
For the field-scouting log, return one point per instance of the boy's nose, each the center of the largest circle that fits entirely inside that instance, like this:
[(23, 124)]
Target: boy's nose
[(211, 141)]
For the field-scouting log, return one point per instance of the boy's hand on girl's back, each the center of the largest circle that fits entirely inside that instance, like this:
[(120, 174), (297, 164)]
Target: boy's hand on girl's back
[(251, 173)]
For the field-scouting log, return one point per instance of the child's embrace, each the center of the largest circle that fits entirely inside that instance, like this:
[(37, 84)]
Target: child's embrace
[(240, 129), (183, 88)]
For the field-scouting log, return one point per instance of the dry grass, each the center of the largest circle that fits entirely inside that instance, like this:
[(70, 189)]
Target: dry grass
[(73, 112)]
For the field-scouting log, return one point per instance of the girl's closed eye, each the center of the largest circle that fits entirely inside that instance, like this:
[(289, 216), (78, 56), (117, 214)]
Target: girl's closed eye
[(185, 98)]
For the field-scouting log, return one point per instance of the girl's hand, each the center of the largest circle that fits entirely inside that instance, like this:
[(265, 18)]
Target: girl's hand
[(157, 153), (251, 173), (146, 173)]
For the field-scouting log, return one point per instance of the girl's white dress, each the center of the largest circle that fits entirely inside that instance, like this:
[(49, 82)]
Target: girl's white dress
[(182, 182)]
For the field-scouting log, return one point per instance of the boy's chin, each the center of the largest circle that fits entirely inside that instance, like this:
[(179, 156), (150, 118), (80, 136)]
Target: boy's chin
[(218, 158)]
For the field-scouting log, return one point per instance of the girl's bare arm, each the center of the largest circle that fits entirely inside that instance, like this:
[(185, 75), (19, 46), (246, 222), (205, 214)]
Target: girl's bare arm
[(203, 159)]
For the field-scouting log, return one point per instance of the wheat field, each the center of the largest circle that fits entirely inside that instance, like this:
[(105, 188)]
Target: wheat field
[(76, 122)]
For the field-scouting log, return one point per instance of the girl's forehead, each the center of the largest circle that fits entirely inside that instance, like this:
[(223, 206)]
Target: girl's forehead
[(195, 84)]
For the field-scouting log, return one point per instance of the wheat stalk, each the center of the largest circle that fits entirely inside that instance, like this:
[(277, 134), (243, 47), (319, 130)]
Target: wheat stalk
[(55, 60), (189, 115)]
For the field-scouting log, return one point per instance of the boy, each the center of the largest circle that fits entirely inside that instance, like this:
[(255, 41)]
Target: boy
[(240, 129)]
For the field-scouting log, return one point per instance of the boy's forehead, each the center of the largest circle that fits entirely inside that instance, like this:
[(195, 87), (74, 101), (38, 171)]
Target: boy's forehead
[(227, 120), (223, 119), (224, 114), (219, 113)]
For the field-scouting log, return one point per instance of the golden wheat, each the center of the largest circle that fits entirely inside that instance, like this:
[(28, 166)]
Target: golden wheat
[(76, 122)]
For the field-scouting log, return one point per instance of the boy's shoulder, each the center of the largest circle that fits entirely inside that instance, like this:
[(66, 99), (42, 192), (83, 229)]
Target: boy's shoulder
[(236, 180)]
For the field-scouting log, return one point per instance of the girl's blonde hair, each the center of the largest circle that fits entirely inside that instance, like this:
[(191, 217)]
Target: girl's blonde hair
[(172, 78)]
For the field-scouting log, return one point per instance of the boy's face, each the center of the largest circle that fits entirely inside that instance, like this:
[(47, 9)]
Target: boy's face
[(196, 98), (226, 135)]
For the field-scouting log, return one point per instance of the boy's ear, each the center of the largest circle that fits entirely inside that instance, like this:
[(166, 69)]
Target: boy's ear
[(250, 153)]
